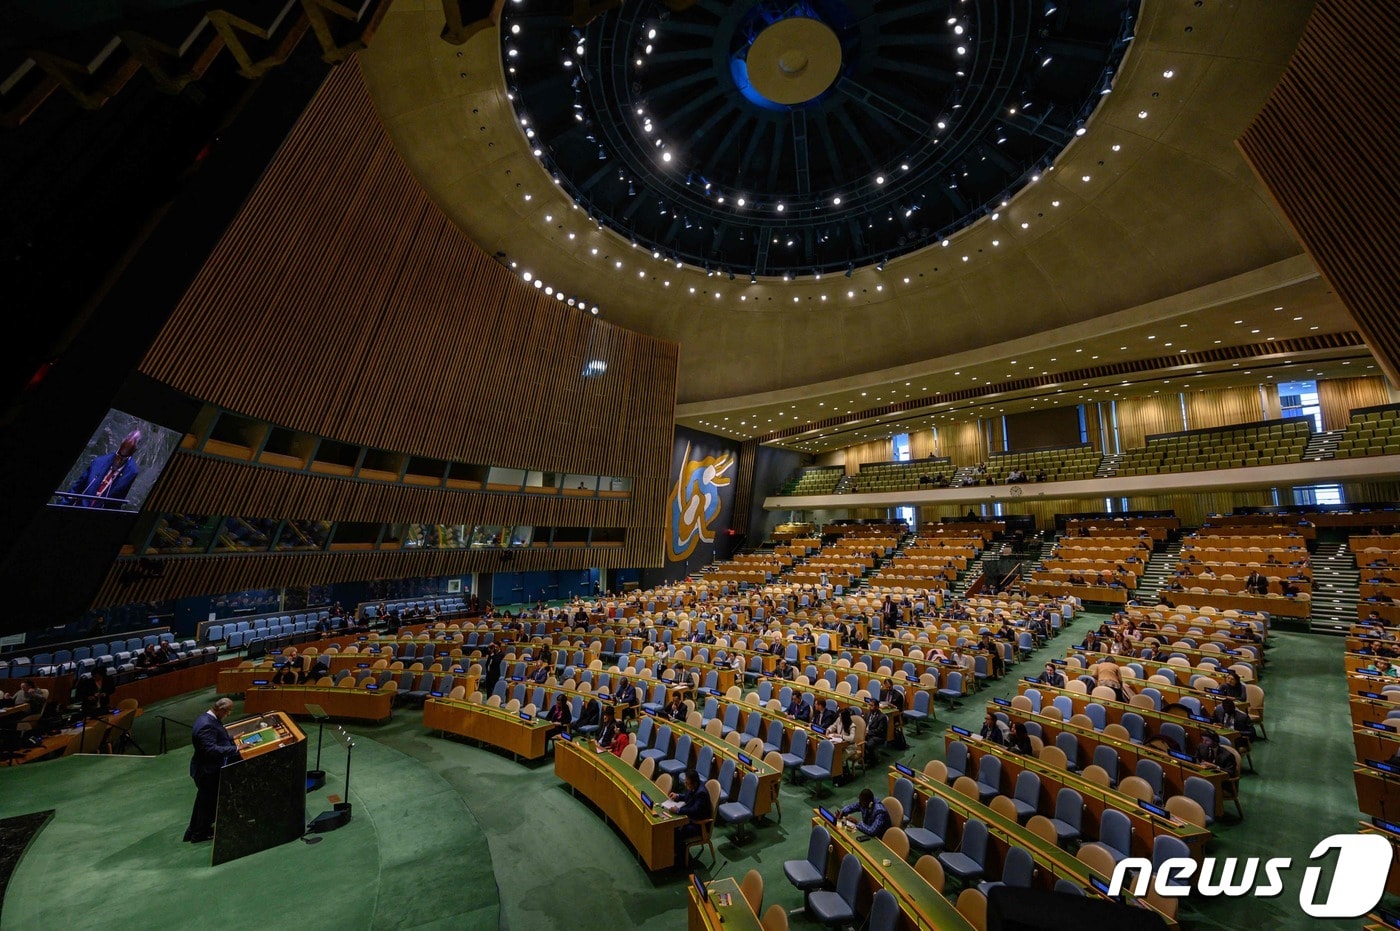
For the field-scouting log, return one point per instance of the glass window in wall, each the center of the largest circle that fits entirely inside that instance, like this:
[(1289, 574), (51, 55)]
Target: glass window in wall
[(301, 535), (1299, 399), (486, 537), (615, 485), (901, 447), (183, 533), (1318, 494), (245, 535), (430, 536), (521, 536)]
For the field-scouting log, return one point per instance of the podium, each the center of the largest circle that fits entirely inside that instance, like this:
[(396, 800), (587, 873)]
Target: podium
[(262, 797)]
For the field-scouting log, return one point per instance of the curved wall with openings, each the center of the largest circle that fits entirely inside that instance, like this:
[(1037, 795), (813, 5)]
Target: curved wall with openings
[(341, 309)]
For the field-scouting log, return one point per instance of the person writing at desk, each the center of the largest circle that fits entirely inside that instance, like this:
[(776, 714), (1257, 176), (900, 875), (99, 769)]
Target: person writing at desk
[(874, 819), (799, 710), (889, 695), (1051, 676), (694, 805), (213, 750), (1211, 753)]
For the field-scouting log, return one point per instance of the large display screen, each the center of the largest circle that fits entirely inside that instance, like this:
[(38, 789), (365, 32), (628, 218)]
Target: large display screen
[(119, 466)]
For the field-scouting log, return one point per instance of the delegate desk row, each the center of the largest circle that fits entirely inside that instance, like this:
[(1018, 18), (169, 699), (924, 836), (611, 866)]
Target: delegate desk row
[(1142, 723), (1274, 605)]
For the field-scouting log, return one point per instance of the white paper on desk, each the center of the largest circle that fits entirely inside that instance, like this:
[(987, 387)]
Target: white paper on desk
[(671, 805)]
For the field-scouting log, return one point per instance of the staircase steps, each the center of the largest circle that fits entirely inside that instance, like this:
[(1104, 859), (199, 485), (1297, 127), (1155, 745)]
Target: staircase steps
[(1323, 446), (1108, 466), (1336, 589)]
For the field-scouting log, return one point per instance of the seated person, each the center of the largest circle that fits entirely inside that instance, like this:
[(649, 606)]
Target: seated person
[(1212, 754), (31, 695), (611, 735), (291, 669), (559, 713), (148, 658), (825, 716), (1052, 676), (94, 693), (540, 675), (890, 695), (877, 730), (1021, 740), (627, 695), (995, 730), (591, 717), (799, 710), (1228, 715), (695, 806), (676, 709), (784, 671), (1233, 687), (874, 819)]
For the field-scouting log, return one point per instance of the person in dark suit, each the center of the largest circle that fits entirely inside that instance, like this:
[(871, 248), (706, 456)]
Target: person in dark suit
[(1052, 676), (799, 709), (213, 750), (107, 479), (695, 805), (495, 659)]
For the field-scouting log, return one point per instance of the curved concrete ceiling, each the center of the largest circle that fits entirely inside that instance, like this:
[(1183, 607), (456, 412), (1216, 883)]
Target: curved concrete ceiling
[(1152, 202)]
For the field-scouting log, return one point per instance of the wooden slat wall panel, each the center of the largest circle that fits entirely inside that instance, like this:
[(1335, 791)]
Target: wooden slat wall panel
[(203, 575), (743, 486), (1324, 145), (341, 302), (200, 485)]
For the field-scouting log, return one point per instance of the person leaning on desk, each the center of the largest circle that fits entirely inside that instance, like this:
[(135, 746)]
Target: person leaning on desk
[(798, 709), (874, 819), (694, 805)]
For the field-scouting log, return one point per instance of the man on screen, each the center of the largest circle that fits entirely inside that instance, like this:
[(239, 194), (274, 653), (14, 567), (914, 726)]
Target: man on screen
[(108, 478)]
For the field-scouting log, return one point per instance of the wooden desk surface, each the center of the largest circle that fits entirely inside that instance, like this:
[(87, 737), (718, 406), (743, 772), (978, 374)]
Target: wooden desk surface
[(1377, 792), (1051, 860), (1099, 593), (358, 704), (1269, 604), (488, 724), (617, 789), (922, 907), (712, 915)]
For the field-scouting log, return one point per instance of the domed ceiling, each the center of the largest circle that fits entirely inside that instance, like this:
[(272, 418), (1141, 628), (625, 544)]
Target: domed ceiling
[(1150, 212), (771, 138)]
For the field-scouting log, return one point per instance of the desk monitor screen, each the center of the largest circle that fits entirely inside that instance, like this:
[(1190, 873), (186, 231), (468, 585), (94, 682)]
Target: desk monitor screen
[(371, 686), (1183, 757), (818, 729), (827, 816), (565, 735), (646, 800), (1203, 719), (700, 888), (1154, 809), (961, 731), (526, 717), (1032, 680), (1390, 826), (517, 678), (1216, 691), (1002, 701), (1383, 767), (1059, 662), (745, 760), (1389, 918), (1100, 886), (260, 682), (903, 770), (1372, 695), (649, 711), (362, 665), (435, 694), (1375, 726)]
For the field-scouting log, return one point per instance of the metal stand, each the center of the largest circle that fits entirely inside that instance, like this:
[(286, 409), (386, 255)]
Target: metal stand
[(339, 815), (316, 778)]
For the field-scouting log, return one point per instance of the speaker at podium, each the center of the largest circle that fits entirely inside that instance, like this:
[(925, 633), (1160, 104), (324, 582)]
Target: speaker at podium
[(262, 797)]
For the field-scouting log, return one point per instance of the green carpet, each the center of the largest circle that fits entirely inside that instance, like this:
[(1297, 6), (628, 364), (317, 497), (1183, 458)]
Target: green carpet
[(433, 815)]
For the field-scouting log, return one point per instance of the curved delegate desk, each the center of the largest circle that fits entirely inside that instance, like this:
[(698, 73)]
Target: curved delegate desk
[(618, 790)]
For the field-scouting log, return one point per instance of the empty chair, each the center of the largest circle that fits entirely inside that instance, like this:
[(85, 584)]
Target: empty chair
[(972, 905), (904, 794), (773, 743), (741, 812), (839, 907), (1202, 792), (952, 690), (1017, 871), (1166, 847), (730, 720), (988, 777), (1026, 799), (931, 870), (919, 712), (1151, 772), (1065, 704), (810, 874), (820, 770), (1116, 834), (1067, 887), (956, 760), (1069, 815), (1098, 714), (727, 769), (968, 862), (680, 759), (930, 837), (1174, 734), (660, 747), (897, 841), (796, 755), (1107, 758), (1134, 724), (1069, 744), (884, 911)]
